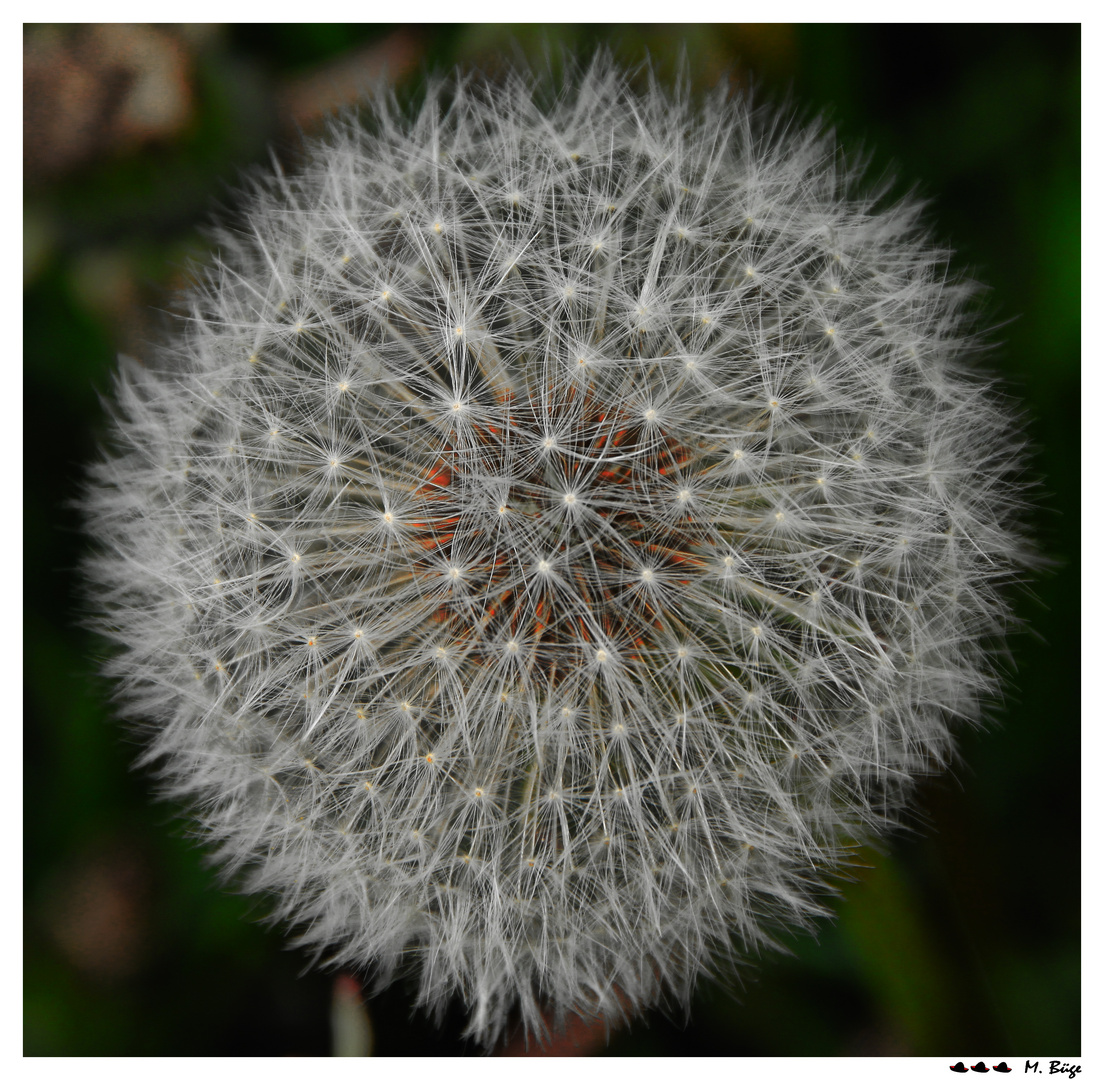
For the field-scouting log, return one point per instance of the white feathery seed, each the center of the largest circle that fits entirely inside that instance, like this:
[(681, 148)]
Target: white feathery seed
[(554, 533)]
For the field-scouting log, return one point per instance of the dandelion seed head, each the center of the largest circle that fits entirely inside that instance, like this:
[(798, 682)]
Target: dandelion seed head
[(563, 636)]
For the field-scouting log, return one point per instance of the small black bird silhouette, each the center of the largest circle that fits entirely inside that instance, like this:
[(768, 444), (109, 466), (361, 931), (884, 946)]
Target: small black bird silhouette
[(979, 1067), (958, 1067), (1002, 1067)]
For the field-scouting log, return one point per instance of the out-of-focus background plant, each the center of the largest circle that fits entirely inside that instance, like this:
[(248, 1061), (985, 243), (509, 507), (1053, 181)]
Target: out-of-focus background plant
[(965, 933)]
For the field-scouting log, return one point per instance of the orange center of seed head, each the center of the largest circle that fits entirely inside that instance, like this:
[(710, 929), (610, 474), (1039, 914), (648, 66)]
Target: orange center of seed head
[(611, 466)]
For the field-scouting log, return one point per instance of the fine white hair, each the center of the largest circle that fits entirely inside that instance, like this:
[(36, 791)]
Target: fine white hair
[(557, 528)]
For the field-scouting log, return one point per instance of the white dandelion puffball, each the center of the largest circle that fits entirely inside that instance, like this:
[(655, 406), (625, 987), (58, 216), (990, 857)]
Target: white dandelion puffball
[(557, 529)]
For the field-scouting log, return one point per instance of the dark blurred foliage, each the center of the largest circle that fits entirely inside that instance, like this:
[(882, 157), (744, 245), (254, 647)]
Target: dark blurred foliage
[(965, 932)]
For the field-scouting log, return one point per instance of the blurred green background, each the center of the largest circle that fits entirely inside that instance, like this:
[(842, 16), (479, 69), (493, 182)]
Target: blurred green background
[(964, 938)]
